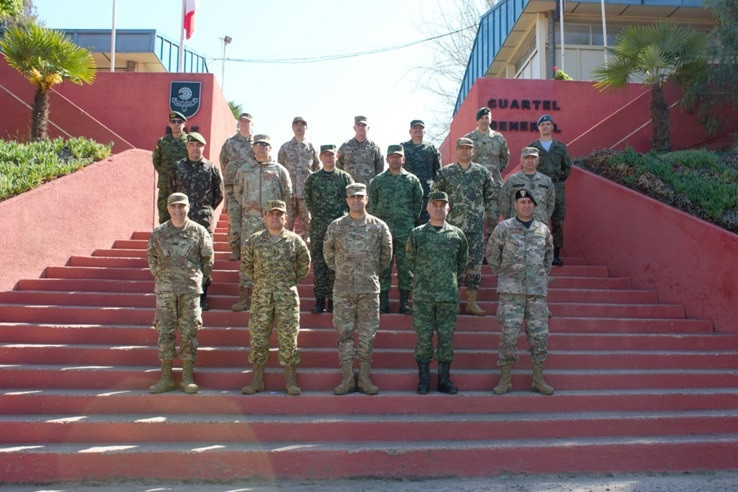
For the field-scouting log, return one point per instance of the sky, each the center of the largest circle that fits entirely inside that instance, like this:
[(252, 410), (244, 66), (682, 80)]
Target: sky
[(327, 94)]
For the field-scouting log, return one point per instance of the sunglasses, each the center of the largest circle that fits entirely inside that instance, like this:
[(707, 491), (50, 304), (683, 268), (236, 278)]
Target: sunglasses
[(176, 122)]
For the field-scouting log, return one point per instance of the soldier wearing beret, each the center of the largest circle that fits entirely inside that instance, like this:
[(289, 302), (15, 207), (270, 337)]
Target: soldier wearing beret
[(520, 251), (169, 150), (539, 185), (277, 259), (423, 160), (180, 255), (360, 157)]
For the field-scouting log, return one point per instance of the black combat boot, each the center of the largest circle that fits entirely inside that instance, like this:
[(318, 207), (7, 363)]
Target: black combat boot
[(444, 382), (557, 261), (319, 306), (404, 306), (384, 302), (329, 305), (203, 298), (423, 378)]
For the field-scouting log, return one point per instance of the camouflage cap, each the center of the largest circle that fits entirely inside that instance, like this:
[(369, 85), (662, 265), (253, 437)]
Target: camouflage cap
[(262, 138), (437, 196), (523, 193), (529, 151), (481, 112), (298, 119), (545, 117), (417, 122), (275, 205), (464, 142), (360, 120), (196, 137), (396, 149), (177, 114), (328, 148), (178, 198), (356, 189), (245, 116)]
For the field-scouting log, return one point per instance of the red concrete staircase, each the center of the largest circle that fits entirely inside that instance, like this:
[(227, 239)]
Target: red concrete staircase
[(639, 388)]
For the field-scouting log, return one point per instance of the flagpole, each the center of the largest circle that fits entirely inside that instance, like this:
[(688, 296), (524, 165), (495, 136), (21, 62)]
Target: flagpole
[(561, 29), (604, 30), (180, 65), (112, 42)]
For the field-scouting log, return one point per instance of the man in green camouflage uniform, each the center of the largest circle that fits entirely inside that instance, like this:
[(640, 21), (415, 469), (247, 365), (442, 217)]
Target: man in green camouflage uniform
[(257, 182), (357, 246), (201, 181), (556, 164), (360, 157), (277, 259), (437, 254), (539, 185), (300, 158), (396, 197), (169, 150), (325, 197), (472, 191), (423, 160), (520, 252), (180, 255), (235, 152)]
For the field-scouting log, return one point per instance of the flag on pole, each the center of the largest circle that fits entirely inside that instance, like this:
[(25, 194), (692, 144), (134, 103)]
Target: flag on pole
[(189, 17)]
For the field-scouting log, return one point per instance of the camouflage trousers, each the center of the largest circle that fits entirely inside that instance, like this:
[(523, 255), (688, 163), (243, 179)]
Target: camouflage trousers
[(491, 223), (399, 256), (250, 224), (161, 204), (438, 316), (323, 277), (234, 218), (352, 312), (178, 312), (424, 216), (472, 277), (280, 307), (511, 311), (296, 208), (557, 218)]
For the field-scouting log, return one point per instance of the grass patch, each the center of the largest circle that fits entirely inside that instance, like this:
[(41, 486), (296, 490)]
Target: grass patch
[(24, 166)]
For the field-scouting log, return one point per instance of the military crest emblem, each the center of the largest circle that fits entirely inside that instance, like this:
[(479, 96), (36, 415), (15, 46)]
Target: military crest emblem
[(185, 97)]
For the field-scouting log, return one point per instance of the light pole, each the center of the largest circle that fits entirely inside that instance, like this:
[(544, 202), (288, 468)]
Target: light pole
[(226, 41)]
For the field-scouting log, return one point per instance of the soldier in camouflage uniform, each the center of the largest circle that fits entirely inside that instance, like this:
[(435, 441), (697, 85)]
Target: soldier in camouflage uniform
[(358, 246), (169, 150), (300, 158), (325, 196), (520, 252), (235, 152), (472, 191), (556, 164), (437, 255), (396, 197), (360, 157), (277, 259), (423, 160), (257, 182), (180, 254), (201, 181), (539, 185)]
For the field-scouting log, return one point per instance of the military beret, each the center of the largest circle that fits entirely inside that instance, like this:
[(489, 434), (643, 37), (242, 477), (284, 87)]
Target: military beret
[(360, 120), (523, 193), (440, 196), (396, 149), (328, 148), (543, 118), (297, 119), (178, 198), (245, 116), (262, 138), (417, 122), (356, 189), (529, 151), (177, 114), (464, 142), (276, 205), (196, 137), (481, 112)]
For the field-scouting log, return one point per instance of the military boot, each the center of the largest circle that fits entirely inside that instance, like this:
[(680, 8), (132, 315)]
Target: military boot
[(319, 306), (471, 303), (384, 302), (290, 381), (329, 305), (539, 384), (504, 385), (557, 261), (365, 384), (244, 300), (423, 378), (444, 379), (203, 298), (257, 382), (348, 382), (166, 380), (188, 383), (235, 254), (404, 306)]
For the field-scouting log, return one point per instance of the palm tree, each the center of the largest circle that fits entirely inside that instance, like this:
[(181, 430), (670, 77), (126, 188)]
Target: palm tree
[(655, 54), (46, 58), (236, 108)]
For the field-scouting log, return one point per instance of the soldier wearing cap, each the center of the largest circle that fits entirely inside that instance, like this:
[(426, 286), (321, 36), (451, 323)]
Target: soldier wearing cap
[(325, 197), (437, 254), (180, 256), (277, 259), (396, 197), (236, 151), (201, 181), (520, 252), (423, 160), (360, 157), (556, 164), (357, 246), (169, 150), (472, 192), (539, 185), (257, 181), (300, 158)]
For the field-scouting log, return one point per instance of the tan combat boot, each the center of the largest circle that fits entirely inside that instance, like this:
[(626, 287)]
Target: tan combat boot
[(166, 381), (188, 383), (290, 381), (471, 303), (347, 384), (539, 384), (257, 382), (504, 385), (244, 300), (235, 254), (365, 384)]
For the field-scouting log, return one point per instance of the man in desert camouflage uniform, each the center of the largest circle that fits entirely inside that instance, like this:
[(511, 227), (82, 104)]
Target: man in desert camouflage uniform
[(437, 255), (277, 259), (358, 246), (360, 157), (520, 252), (300, 158), (472, 191), (325, 197), (257, 182), (235, 152), (180, 255), (201, 181), (539, 185), (169, 150), (423, 160), (396, 197)]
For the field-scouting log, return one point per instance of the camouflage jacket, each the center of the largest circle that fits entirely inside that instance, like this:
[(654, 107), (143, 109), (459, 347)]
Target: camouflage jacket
[(275, 264), (362, 160), (436, 258), (539, 185), (202, 182), (397, 200), (521, 258), (424, 161), (235, 151), (179, 258), (167, 153), (325, 197), (471, 193), (556, 163), (357, 252), (256, 183), (300, 159), (490, 150)]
